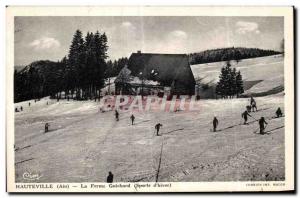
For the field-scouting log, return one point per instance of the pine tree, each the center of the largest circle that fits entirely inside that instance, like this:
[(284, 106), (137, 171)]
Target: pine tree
[(63, 65), (226, 80), (233, 86), (76, 61), (230, 82), (239, 84), (221, 88), (100, 43), (90, 63), (122, 78)]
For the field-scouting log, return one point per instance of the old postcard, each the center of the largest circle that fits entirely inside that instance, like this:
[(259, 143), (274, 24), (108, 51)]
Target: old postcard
[(150, 99)]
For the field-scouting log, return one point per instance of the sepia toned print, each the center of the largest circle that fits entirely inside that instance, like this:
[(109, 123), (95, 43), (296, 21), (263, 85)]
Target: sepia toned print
[(146, 99)]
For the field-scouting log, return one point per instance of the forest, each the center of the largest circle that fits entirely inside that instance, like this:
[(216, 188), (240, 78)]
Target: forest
[(79, 75), (226, 54)]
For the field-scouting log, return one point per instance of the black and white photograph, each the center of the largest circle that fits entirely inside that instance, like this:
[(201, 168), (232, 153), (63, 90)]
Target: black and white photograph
[(147, 102)]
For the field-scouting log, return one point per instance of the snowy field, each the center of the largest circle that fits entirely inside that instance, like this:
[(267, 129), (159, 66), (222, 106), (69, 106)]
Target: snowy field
[(267, 71), (83, 144)]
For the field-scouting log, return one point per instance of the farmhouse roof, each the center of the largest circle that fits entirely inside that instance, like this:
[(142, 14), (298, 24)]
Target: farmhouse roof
[(169, 67)]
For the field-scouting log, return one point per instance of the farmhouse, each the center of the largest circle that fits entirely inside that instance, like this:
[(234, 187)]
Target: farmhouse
[(149, 73)]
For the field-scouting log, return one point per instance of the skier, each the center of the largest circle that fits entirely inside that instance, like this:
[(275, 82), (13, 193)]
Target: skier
[(215, 123), (117, 115), (248, 107), (29, 104), (279, 112), (245, 116), (110, 177), (157, 127), (252, 100), (47, 127), (21, 108), (262, 123), (16, 109), (132, 119), (254, 106)]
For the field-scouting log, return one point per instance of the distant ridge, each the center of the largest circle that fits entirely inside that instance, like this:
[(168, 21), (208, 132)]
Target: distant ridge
[(225, 54)]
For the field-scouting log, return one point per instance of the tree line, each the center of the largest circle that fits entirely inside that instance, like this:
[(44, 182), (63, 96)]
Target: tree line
[(114, 67), (79, 75), (226, 54), (230, 82)]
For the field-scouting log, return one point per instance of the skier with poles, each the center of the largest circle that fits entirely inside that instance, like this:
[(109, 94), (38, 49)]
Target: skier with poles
[(117, 115), (132, 119), (279, 112), (252, 101), (248, 107), (157, 127), (47, 127), (262, 126), (215, 123), (245, 116), (253, 106)]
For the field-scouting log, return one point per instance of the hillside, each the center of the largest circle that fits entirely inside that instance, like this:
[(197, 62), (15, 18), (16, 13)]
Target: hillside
[(261, 76), (84, 144), (42, 75), (225, 54)]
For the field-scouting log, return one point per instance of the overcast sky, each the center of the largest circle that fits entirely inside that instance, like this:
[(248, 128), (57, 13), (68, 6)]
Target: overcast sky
[(41, 38)]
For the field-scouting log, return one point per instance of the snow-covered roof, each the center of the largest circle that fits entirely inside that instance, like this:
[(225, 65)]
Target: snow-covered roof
[(126, 77), (137, 80)]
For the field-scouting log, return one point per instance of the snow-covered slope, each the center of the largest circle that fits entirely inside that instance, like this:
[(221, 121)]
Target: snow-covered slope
[(84, 144), (261, 75)]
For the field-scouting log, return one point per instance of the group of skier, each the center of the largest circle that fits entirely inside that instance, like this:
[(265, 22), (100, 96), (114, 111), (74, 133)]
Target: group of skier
[(132, 118), (261, 122), (17, 110), (252, 107), (21, 108)]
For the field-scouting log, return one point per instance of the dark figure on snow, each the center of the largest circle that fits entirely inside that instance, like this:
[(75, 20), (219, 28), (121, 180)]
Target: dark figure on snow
[(254, 106), (16, 109), (252, 100), (262, 126), (132, 119), (215, 123), (47, 103), (157, 127), (279, 112), (21, 108), (47, 127), (117, 115), (245, 116), (110, 177), (29, 104), (248, 107)]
